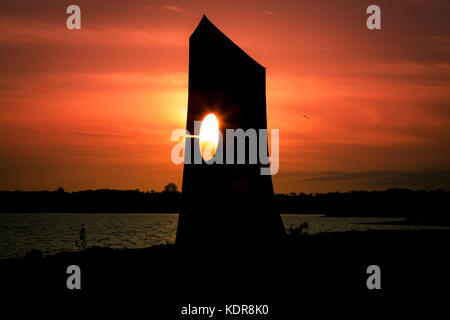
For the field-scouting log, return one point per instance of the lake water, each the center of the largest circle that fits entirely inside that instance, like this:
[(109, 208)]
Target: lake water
[(54, 232)]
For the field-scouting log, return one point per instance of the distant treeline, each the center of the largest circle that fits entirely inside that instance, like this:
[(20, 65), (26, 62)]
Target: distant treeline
[(429, 205), (389, 203), (90, 201)]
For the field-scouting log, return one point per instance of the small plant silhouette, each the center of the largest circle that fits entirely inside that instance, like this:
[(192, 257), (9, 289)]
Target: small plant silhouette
[(298, 231), (171, 187)]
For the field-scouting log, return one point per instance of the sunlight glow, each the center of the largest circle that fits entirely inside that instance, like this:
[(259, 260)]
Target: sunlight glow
[(209, 136)]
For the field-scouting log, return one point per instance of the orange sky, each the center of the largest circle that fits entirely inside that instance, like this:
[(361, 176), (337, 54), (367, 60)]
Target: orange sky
[(95, 108)]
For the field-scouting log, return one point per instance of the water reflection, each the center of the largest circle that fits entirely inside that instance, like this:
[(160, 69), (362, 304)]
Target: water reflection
[(53, 232)]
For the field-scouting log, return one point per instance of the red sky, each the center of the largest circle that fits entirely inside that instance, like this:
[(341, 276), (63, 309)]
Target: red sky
[(95, 108)]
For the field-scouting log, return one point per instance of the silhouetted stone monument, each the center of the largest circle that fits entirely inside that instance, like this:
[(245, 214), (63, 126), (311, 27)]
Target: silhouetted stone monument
[(226, 204)]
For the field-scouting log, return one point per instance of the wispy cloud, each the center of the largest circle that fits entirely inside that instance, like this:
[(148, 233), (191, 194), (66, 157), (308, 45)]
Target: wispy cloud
[(374, 179), (33, 32), (173, 8), (386, 177), (269, 12)]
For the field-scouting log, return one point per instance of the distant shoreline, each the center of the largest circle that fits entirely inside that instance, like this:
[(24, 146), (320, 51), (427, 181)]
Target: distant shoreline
[(105, 212), (413, 205)]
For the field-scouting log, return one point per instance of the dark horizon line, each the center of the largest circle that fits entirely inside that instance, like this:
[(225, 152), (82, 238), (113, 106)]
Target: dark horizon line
[(278, 193), (430, 205)]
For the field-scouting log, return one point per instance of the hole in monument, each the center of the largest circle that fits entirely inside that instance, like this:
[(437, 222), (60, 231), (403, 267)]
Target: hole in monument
[(209, 136)]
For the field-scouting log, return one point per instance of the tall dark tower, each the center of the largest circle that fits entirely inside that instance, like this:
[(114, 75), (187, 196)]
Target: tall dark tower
[(226, 205)]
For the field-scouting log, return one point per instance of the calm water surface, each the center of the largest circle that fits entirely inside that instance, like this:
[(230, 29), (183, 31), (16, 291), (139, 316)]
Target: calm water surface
[(54, 232)]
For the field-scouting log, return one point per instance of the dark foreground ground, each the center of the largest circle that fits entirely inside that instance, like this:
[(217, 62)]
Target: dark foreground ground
[(309, 274)]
